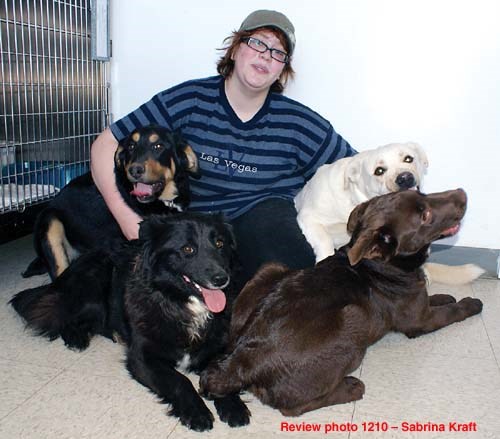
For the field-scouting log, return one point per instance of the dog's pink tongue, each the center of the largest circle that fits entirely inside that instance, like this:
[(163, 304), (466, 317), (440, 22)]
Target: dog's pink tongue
[(452, 230), (214, 299), (141, 189)]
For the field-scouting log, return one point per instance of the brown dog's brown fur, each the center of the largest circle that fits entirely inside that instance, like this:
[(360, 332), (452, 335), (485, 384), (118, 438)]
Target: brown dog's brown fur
[(296, 335)]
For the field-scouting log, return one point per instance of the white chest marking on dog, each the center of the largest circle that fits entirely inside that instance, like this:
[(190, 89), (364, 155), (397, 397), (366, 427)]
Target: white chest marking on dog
[(200, 316), (170, 204), (184, 363)]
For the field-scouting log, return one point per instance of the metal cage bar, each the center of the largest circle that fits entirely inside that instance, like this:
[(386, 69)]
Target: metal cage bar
[(54, 98)]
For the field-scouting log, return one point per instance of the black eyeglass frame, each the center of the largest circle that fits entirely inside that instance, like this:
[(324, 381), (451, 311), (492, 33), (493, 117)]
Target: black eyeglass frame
[(247, 40)]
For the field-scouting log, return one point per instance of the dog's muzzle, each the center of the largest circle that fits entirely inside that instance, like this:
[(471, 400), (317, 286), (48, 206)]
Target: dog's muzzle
[(406, 180)]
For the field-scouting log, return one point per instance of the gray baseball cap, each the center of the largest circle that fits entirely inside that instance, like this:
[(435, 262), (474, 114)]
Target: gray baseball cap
[(267, 18)]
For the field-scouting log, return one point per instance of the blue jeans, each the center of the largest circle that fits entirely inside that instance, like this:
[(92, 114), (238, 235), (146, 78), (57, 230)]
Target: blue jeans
[(269, 233)]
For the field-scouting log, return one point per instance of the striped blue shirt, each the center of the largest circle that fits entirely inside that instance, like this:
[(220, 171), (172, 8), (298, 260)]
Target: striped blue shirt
[(241, 163)]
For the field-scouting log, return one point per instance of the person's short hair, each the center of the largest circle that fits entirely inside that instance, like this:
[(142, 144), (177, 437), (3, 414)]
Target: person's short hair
[(225, 65)]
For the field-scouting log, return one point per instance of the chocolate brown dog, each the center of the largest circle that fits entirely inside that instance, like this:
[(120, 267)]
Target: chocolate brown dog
[(296, 335)]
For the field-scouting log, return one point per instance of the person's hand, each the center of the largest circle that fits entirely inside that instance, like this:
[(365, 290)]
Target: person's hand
[(129, 224)]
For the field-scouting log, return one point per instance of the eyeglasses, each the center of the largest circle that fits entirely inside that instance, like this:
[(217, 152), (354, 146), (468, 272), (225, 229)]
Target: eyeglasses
[(262, 47)]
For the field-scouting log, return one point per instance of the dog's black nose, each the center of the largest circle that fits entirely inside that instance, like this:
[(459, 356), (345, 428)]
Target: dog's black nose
[(220, 280), (406, 180), (136, 171)]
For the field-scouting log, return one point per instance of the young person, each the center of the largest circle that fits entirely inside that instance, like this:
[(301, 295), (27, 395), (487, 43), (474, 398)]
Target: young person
[(256, 147)]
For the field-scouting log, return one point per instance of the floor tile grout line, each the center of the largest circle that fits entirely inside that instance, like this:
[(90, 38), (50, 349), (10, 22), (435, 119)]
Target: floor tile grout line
[(173, 429), (485, 326), (490, 343), (29, 363), (437, 355), (60, 372), (355, 402), (31, 396)]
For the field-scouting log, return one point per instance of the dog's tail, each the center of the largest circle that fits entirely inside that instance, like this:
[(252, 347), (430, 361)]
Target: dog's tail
[(53, 312), (452, 274), (74, 306), (41, 310)]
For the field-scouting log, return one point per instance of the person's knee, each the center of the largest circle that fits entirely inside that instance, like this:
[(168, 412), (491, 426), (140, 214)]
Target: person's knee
[(269, 232)]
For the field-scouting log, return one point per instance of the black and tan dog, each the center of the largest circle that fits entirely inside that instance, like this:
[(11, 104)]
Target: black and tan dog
[(297, 335), (152, 169), (168, 296)]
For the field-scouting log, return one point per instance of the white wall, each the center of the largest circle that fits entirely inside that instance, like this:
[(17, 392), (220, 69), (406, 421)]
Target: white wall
[(380, 71)]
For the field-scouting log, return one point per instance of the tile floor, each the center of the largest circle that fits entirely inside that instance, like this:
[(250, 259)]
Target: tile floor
[(450, 376)]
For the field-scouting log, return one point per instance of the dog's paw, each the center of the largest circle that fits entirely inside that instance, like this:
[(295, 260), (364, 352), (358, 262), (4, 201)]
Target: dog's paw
[(75, 339), (415, 333), (355, 388), (198, 419), (210, 385), (472, 306), (232, 410)]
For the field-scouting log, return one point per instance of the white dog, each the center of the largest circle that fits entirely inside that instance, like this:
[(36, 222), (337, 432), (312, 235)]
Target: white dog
[(325, 202)]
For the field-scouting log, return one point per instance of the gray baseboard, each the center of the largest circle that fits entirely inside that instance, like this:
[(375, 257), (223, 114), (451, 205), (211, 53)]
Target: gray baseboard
[(486, 258)]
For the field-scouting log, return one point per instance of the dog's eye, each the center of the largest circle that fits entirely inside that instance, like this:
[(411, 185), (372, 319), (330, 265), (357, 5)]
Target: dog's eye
[(426, 216), (157, 147), (188, 249), (408, 159), (131, 146), (380, 171), (420, 207), (219, 243)]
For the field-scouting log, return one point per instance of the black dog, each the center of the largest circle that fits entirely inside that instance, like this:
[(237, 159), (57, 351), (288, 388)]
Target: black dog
[(296, 335), (163, 296), (152, 168)]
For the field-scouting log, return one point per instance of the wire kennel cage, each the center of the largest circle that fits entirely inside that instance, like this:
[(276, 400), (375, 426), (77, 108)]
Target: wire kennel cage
[(53, 103)]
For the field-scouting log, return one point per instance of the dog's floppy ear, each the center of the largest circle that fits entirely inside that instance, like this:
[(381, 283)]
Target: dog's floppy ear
[(352, 172), (372, 244), (368, 242), (147, 233), (121, 150), (422, 156), (230, 233), (355, 217), (188, 160), (119, 157), (152, 226), (228, 230), (150, 232)]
